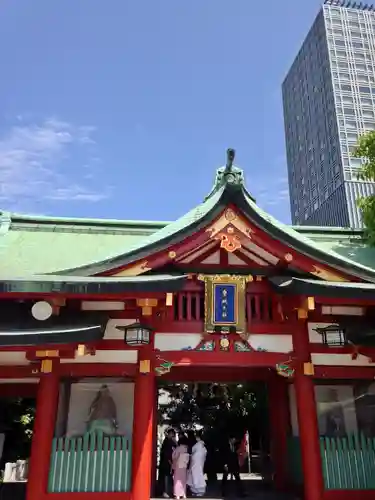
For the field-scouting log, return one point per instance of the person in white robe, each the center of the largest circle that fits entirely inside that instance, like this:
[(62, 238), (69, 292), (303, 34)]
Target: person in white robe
[(196, 479)]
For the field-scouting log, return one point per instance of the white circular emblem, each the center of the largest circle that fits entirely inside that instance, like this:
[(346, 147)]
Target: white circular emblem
[(42, 310)]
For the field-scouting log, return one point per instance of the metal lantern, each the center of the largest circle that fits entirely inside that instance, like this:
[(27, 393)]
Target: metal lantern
[(332, 335), (136, 334)]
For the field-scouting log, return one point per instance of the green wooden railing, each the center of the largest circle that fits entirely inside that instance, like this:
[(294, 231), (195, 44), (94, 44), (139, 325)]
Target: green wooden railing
[(348, 462), (92, 463)]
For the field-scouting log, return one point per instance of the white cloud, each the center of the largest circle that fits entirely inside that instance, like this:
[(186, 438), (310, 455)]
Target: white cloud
[(31, 164), (77, 193)]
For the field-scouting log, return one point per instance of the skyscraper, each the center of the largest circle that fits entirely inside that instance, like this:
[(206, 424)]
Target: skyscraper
[(329, 100)]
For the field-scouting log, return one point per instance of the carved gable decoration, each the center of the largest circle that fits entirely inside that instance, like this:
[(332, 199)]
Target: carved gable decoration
[(225, 302), (230, 230)]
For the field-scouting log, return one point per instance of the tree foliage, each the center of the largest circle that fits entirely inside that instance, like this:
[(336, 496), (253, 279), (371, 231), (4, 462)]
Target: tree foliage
[(16, 421), (219, 409), (365, 149)]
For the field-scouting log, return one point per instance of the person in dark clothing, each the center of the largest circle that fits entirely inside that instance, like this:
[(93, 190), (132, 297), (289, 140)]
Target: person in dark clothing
[(211, 465), (231, 467), (165, 479)]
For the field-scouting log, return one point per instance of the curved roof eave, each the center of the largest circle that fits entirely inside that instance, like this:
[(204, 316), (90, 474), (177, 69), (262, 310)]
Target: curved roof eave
[(301, 243), (83, 285), (186, 225), (200, 216), (301, 286)]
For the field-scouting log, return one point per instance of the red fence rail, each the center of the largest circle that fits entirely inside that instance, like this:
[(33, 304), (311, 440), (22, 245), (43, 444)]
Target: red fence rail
[(187, 314), (189, 306)]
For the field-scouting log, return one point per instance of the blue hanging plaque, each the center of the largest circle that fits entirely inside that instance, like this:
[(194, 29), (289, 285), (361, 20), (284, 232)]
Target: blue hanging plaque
[(225, 302)]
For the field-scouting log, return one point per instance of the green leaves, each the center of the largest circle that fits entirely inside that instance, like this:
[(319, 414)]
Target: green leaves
[(365, 149), (367, 207), (209, 405), (16, 420)]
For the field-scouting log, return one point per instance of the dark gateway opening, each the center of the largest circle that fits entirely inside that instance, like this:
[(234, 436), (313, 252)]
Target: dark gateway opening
[(16, 428), (227, 416)]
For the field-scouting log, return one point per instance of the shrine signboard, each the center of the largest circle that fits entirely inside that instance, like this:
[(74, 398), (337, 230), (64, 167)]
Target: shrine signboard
[(225, 300)]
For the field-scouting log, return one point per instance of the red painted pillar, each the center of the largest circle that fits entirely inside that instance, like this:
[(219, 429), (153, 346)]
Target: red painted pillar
[(143, 430), (279, 428), (307, 416), (44, 427)]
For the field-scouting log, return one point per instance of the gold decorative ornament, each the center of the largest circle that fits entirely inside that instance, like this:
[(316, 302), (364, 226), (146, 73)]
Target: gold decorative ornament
[(224, 343), (46, 366), (302, 313), (147, 305), (169, 299), (229, 240), (47, 354), (230, 215), (145, 366), (288, 257), (310, 303), (326, 275), (135, 270), (172, 254), (82, 350), (308, 369)]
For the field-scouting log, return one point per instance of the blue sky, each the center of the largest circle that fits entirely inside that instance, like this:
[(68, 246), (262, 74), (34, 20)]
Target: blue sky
[(124, 108)]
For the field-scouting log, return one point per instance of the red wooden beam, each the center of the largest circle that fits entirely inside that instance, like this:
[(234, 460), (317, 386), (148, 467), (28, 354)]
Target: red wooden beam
[(278, 249), (65, 353), (217, 374), (323, 349), (18, 390), (215, 268), (254, 328), (198, 239), (161, 258), (333, 301), (14, 371), (247, 260), (346, 349), (72, 370), (222, 359), (97, 369), (344, 372), (83, 296), (223, 258), (206, 253)]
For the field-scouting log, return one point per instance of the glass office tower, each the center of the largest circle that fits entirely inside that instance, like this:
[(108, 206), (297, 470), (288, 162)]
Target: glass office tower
[(329, 100)]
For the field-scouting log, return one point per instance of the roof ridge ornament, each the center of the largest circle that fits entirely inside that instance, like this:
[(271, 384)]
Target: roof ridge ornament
[(229, 174), (231, 153)]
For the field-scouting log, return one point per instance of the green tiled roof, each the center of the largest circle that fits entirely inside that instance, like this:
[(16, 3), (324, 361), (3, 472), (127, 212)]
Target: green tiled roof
[(174, 228), (342, 245), (348, 243), (32, 245)]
